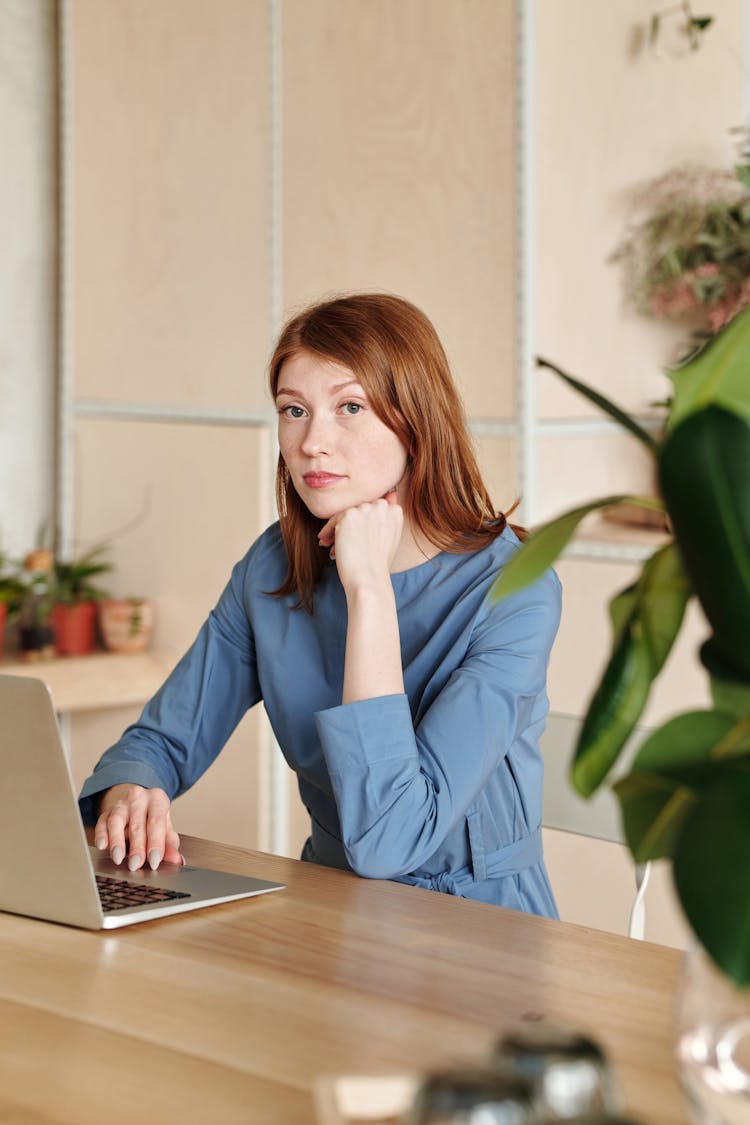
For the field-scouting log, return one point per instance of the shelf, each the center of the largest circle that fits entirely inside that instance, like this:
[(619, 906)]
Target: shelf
[(611, 542), (104, 679)]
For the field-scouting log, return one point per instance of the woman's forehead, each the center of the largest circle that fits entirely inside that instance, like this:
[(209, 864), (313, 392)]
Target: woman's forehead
[(309, 370)]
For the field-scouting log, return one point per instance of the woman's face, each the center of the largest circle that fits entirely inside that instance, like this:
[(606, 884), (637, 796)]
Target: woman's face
[(338, 452)]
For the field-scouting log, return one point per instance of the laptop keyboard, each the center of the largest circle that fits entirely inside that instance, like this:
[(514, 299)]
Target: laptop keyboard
[(117, 893)]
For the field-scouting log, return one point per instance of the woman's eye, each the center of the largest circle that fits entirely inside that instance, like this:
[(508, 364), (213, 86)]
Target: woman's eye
[(351, 407), (292, 411)]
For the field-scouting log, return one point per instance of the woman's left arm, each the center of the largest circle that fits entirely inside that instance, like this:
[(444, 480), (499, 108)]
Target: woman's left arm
[(367, 538), (401, 788)]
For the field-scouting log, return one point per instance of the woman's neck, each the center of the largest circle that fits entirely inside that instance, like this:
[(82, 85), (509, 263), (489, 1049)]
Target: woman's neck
[(413, 550)]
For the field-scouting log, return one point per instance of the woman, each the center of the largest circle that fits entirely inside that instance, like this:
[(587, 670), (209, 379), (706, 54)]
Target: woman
[(408, 705)]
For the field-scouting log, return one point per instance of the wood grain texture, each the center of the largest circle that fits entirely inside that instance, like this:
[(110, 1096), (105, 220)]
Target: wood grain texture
[(250, 1003), (398, 157)]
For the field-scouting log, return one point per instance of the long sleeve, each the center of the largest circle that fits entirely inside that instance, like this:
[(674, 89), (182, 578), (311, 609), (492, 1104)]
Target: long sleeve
[(403, 782), (185, 725)]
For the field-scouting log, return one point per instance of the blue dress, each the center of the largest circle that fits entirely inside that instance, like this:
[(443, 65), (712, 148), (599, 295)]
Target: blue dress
[(440, 787)]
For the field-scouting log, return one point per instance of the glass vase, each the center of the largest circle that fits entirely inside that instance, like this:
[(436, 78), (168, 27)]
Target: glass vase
[(713, 1042)]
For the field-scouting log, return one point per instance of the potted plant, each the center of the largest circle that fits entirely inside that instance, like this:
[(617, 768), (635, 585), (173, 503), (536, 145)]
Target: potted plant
[(10, 593), (36, 635), (686, 795), (687, 253), (76, 596), (126, 623)]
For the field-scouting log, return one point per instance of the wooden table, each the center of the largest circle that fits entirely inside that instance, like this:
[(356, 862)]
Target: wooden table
[(232, 1014)]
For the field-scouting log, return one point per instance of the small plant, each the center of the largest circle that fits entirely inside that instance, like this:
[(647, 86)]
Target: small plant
[(72, 580), (693, 27), (36, 634), (11, 589), (687, 257)]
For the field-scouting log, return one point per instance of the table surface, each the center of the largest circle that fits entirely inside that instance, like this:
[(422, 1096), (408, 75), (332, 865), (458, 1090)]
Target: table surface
[(233, 1013)]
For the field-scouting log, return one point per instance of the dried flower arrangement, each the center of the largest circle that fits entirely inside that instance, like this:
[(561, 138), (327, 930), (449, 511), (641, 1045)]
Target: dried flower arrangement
[(687, 255)]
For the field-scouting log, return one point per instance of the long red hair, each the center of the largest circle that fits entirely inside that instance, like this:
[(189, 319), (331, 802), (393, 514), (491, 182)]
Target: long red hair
[(396, 355)]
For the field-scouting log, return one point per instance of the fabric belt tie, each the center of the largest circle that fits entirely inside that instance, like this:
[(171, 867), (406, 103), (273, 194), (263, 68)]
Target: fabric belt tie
[(501, 864), (324, 848)]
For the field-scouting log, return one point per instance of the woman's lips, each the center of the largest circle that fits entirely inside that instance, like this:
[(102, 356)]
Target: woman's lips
[(320, 480)]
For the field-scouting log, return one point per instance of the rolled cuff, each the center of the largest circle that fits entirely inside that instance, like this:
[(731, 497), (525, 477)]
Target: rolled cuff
[(119, 773)]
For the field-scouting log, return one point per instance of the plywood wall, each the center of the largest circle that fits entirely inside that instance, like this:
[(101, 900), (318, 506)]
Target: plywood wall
[(393, 124)]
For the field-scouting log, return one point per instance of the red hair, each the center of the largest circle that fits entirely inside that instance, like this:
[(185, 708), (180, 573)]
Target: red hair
[(396, 355)]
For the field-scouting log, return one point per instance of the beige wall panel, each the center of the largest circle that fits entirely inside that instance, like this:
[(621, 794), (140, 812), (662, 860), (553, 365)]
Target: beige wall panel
[(398, 168), (594, 884), (225, 804), (608, 117), (584, 642), (202, 494), (191, 499), (170, 201), (576, 468), (497, 459), (91, 732), (28, 269)]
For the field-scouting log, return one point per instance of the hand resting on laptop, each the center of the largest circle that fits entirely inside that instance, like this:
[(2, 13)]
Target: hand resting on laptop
[(137, 823)]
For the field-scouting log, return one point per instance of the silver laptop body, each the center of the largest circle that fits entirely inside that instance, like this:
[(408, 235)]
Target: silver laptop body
[(48, 870)]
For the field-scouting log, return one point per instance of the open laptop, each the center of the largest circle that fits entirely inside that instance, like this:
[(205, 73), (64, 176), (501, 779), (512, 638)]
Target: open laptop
[(48, 869)]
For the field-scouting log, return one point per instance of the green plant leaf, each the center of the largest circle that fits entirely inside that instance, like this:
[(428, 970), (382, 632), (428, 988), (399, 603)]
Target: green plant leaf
[(547, 542), (711, 865), (653, 810), (620, 416), (614, 710), (662, 593), (621, 609), (692, 746), (704, 471), (731, 696), (717, 376)]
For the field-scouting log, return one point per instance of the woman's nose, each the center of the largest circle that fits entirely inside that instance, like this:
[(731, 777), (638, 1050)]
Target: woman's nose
[(317, 437)]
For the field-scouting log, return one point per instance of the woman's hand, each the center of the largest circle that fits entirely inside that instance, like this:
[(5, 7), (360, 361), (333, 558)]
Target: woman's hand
[(364, 541), (137, 822)]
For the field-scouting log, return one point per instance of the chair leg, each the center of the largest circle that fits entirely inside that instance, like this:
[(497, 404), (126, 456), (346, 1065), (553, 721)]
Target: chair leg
[(637, 925)]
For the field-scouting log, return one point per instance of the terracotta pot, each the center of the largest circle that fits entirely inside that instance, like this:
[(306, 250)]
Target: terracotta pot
[(126, 623), (75, 628), (3, 615)]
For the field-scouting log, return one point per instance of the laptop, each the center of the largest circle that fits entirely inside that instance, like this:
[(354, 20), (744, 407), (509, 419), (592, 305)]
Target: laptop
[(49, 871)]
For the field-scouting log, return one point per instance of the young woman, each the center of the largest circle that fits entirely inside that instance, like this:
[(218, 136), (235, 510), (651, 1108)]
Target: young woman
[(409, 706)]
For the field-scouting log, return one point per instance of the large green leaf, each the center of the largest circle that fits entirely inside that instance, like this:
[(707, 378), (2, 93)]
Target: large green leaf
[(614, 710), (653, 810), (728, 693), (549, 541), (621, 609), (646, 618), (711, 865), (718, 375), (705, 481), (620, 416), (662, 593), (690, 747)]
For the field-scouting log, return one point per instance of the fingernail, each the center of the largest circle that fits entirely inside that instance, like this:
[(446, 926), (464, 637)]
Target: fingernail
[(101, 842), (154, 858), (134, 862), (117, 855)]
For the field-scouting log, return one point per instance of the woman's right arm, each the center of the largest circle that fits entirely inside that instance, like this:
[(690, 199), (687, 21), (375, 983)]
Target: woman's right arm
[(179, 734)]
